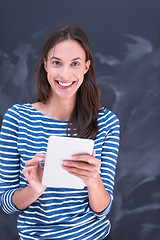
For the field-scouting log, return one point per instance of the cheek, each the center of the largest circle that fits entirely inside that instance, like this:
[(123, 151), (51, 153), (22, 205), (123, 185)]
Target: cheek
[(51, 74), (79, 75)]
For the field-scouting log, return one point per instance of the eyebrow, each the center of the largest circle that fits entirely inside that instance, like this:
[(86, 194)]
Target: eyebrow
[(74, 59), (55, 58)]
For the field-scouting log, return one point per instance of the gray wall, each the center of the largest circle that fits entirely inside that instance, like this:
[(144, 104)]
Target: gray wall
[(125, 38)]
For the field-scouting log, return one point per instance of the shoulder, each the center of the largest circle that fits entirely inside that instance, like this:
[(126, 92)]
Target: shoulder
[(107, 118), (16, 108), (15, 111), (11, 117)]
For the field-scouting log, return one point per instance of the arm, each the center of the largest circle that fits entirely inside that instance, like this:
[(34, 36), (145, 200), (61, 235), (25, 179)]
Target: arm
[(100, 186), (99, 198), (12, 198), (23, 198), (87, 168), (33, 172), (9, 160)]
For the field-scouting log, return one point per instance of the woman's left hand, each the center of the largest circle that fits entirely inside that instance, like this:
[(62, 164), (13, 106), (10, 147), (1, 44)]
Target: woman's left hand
[(84, 166)]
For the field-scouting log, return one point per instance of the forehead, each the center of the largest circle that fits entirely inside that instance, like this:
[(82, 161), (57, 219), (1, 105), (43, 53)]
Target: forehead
[(67, 48)]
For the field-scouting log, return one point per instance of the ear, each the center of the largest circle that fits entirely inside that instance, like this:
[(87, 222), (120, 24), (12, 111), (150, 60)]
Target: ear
[(45, 64), (87, 65)]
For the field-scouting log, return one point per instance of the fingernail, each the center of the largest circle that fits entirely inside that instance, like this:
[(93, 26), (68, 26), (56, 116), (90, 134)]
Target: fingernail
[(65, 162), (74, 157)]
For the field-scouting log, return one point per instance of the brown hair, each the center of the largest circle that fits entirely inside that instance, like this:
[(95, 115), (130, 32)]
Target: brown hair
[(83, 120)]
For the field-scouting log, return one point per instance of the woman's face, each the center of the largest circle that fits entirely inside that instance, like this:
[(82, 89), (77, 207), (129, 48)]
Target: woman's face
[(65, 67)]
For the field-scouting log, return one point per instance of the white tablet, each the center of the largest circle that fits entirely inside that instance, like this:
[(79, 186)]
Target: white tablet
[(59, 149)]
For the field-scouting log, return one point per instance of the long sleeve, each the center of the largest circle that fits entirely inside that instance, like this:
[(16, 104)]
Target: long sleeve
[(109, 154), (25, 131), (9, 160)]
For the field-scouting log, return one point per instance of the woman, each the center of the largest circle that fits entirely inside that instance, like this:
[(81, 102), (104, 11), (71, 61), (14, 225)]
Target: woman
[(68, 105)]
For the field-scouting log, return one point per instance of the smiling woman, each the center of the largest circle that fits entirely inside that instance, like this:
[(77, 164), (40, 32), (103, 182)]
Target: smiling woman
[(69, 105), (74, 56)]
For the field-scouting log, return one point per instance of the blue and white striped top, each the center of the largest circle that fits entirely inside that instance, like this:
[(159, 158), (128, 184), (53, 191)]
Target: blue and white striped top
[(59, 213)]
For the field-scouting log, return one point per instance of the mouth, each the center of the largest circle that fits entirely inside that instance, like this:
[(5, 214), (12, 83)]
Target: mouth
[(65, 84)]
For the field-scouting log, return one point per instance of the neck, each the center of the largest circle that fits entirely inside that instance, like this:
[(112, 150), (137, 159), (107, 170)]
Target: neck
[(60, 109)]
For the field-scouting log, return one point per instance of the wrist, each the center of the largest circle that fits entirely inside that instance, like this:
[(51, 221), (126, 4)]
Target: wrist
[(95, 183), (36, 192)]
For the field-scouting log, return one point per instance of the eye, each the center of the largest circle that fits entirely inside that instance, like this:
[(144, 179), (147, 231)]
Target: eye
[(75, 64), (56, 63)]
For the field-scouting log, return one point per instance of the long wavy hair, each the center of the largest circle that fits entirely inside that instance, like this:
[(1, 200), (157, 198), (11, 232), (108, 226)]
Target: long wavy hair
[(83, 121)]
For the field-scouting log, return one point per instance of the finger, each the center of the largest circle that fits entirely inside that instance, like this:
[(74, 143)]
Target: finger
[(36, 159), (27, 169), (83, 177), (81, 172), (93, 153), (80, 165), (86, 158), (27, 172), (82, 157), (43, 155)]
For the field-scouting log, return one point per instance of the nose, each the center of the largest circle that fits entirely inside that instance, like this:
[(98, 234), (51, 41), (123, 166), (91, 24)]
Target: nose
[(65, 73)]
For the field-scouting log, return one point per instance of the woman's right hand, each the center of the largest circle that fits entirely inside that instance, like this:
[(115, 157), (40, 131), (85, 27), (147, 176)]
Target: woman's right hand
[(33, 172)]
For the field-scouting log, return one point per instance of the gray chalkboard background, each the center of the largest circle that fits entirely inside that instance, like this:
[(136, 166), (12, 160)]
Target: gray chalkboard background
[(125, 39)]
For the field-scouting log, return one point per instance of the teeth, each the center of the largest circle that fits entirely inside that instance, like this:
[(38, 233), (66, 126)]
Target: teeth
[(65, 84)]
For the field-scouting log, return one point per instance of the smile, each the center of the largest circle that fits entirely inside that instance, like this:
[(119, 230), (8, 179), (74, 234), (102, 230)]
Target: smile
[(65, 84)]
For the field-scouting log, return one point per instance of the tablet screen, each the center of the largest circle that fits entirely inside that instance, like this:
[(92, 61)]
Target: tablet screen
[(59, 149)]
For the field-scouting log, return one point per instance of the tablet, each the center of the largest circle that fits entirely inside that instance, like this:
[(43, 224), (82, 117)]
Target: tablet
[(59, 149)]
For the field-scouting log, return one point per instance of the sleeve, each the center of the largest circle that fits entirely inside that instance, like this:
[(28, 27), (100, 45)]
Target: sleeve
[(110, 149), (9, 160)]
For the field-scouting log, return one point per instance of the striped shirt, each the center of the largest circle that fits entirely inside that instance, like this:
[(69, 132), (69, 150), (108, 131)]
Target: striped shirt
[(59, 213)]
